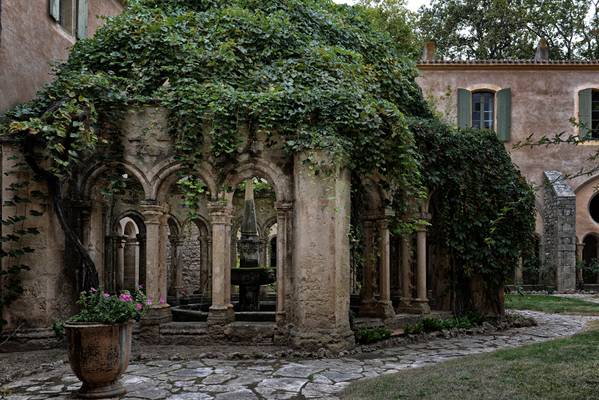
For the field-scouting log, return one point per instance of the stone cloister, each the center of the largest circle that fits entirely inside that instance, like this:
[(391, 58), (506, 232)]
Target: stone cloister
[(145, 237)]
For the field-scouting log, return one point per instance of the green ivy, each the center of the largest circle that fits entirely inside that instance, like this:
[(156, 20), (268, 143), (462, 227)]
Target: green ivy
[(482, 207)]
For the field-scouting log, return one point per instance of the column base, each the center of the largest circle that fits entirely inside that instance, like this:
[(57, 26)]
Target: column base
[(220, 315), (376, 309), (414, 306), (158, 314), (334, 340)]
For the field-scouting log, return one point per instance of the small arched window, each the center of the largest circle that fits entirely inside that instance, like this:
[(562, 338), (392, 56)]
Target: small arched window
[(483, 110), (486, 109)]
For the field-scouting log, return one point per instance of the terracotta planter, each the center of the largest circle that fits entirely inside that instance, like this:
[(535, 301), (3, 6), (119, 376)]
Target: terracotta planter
[(99, 355)]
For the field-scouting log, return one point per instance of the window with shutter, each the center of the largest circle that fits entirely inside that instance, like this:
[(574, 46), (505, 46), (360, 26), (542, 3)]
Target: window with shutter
[(82, 12), (55, 10), (464, 108), (71, 15), (504, 114), (585, 115)]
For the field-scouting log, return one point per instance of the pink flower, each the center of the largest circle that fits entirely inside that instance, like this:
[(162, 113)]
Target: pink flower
[(93, 290), (149, 301), (139, 306), (106, 295), (126, 297), (162, 301)]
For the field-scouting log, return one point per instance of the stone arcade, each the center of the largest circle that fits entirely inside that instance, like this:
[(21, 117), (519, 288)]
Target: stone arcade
[(146, 237)]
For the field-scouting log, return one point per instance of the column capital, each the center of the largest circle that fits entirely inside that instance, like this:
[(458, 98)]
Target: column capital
[(152, 212), (383, 216), (283, 206), (220, 212), (423, 220)]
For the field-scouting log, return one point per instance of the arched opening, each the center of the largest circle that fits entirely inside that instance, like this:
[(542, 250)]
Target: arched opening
[(594, 208), (253, 275), (590, 272), (131, 242), (115, 232)]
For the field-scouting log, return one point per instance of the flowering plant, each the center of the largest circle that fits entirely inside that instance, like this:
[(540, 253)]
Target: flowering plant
[(102, 307)]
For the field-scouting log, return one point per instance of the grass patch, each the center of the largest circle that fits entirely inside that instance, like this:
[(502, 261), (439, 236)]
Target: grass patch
[(551, 304), (563, 369)]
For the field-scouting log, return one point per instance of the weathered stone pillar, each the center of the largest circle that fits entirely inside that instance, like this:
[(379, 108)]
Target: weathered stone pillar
[(385, 304), (406, 267), (519, 273), (120, 263), (156, 273), (283, 217), (421, 302), (368, 307), (579, 261), (321, 264), (131, 264), (221, 311), (559, 217), (178, 283)]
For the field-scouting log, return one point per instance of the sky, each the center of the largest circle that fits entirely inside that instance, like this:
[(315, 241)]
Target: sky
[(412, 4)]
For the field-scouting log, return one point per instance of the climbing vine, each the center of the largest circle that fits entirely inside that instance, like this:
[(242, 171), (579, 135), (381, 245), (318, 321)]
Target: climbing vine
[(482, 207)]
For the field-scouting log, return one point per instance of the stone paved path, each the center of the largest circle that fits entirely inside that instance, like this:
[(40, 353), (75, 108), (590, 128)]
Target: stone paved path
[(212, 379)]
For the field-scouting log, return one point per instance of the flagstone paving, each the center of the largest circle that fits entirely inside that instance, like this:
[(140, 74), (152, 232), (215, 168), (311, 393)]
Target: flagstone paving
[(214, 379)]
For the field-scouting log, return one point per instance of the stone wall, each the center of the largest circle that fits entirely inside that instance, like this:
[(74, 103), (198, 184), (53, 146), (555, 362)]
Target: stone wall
[(544, 100), (30, 40), (559, 240)]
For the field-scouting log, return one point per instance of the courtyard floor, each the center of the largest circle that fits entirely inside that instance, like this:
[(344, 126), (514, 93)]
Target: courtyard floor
[(209, 378)]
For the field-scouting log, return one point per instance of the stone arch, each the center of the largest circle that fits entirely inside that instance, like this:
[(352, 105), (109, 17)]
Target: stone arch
[(90, 177), (130, 263), (590, 254), (585, 193), (164, 175), (258, 168)]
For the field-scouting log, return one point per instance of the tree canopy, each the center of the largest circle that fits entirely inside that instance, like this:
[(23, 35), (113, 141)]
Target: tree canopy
[(497, 29)]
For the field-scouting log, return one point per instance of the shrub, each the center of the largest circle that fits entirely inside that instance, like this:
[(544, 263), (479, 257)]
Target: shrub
[(371, 335)]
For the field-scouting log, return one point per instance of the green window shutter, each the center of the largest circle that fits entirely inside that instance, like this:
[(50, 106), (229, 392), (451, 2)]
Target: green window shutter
[(55, 9), (585, 101), (464, 108), (82, 13), (504, 114)]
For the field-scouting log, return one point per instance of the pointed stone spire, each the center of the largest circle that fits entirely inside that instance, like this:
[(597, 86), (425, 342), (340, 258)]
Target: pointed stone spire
[(248, 223)]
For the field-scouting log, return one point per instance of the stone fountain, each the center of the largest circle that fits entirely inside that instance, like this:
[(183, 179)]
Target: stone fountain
[(250, 275)]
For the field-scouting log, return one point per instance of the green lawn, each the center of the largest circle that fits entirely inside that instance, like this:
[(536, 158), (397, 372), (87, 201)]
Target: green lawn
[(551, 304), (563, 369)]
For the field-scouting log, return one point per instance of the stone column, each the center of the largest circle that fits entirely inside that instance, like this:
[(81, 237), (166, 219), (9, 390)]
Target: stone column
[(178, 243), (156, 274), (368, 306), (580, 263), (519, 273), (283, 216), (120, 262), (406, 267), (131, 264), (385, 305), (321, 264), (221, 311), (421, 302)]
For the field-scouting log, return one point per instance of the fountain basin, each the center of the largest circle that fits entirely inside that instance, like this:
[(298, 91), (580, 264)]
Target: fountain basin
[(252, 276)]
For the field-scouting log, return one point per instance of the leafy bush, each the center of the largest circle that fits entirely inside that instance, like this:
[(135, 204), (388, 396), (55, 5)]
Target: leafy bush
[(427, 325), (371, 335)]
